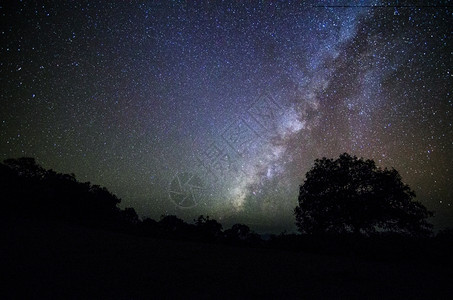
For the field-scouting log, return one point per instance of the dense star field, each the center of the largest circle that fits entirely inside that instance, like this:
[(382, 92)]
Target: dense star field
[(220, 108)]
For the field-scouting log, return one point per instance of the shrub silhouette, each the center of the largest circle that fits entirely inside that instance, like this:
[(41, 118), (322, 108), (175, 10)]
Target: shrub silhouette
[(353, 195)]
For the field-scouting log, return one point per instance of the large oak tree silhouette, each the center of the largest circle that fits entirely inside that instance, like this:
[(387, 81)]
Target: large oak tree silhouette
[(352, 195)]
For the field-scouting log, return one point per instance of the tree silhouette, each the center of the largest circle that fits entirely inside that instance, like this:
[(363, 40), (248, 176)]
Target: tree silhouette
[(208, 229), (29, 190), (25, 167), (170, 226), (354, 195), (241, 234), (238, 232), (130, 216)]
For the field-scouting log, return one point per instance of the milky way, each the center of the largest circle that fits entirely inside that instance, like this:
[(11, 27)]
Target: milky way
[(220, 108)]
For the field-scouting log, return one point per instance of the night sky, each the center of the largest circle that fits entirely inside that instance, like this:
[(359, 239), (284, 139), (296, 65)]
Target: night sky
[(221, 108)]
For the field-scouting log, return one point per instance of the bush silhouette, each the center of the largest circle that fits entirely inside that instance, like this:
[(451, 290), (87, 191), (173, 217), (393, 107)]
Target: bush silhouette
[(351, 195)]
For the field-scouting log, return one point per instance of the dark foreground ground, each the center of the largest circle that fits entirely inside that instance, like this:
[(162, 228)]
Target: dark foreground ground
[(61, 261)]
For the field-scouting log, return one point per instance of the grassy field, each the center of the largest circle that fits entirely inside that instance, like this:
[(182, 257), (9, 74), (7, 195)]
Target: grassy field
[(62, 261)]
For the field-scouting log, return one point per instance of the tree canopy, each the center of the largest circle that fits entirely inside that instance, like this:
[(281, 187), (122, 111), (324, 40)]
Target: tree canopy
[(27, 189), (349, 194)]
